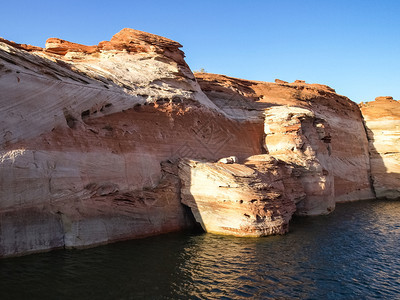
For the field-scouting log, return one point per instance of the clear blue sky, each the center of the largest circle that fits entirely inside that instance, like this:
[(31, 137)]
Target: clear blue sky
[(352, 46)]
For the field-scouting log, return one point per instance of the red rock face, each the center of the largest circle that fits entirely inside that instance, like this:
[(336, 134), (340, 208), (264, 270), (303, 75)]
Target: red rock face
[(127, 39), (21, 46), (382, 121), (92, 135), (337, 125), (62, 47), (86, 134)]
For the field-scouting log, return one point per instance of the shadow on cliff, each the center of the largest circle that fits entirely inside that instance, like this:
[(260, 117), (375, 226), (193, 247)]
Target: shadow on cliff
[(372, 151), (192, 211), (382, 184), (192, 223), (195, 224)]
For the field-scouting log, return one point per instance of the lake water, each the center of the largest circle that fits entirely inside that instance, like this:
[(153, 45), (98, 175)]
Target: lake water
[(354, 253)]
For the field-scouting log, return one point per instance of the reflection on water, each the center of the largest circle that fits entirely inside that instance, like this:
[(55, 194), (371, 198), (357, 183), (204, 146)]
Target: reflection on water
[(350, 254)]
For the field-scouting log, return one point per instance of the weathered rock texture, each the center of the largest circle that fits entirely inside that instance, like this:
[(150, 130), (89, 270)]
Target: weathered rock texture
[(90, 139), (84, 131), (306, 124), (382, 121), (298, 137), (257, 198)]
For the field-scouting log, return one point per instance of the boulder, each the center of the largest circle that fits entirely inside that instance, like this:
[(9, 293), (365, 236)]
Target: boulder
[(254, 199)]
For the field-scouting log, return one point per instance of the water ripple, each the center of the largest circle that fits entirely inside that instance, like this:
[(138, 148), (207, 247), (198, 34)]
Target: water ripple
[(350, 254)]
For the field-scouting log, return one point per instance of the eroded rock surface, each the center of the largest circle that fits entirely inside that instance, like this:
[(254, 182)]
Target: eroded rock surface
[(382, 121), (84, 132), (90, 138), (257, 198), (298, 137), (330, 131)]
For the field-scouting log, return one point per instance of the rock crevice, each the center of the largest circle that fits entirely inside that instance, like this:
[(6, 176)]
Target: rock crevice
[(382, 123)]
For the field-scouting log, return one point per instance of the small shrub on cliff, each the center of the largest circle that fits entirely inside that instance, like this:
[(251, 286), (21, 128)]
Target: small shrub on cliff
[(202, 70)]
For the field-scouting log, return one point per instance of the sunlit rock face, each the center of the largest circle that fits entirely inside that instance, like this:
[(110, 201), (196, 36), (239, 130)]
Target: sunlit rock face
[(298, 137), (257, 198), (307, 124), (65, 83), (382, 121), (84, 130), (91, 137)]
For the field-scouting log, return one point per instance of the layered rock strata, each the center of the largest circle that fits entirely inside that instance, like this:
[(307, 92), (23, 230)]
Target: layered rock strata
[(83, 135), (309, 123), (256, 198), (298, 137), (91, 138), (382, 121)]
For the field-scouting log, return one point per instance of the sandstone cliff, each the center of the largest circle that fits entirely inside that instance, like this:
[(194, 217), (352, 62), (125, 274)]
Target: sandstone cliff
[(84, 131), (382, 120), (104, 143), (305, 124)]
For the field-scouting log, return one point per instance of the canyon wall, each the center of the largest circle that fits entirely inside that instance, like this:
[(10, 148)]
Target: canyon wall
[(305, 124), (382, 121), (120, 140), (84, 131)]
